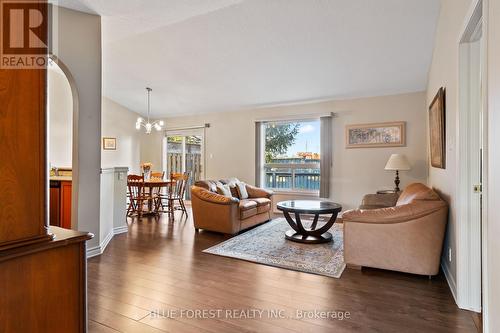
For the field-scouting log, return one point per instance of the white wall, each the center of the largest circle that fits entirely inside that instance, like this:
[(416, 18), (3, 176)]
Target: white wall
[(76, 42), (230, 142), (106, 211), (492, 299), (444, 73), (120, 201), (151, 148), (119, 122), (113, 208), (60, 108)]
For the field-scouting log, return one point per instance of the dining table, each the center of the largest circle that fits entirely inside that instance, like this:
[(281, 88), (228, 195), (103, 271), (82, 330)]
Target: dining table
[(158, 183)]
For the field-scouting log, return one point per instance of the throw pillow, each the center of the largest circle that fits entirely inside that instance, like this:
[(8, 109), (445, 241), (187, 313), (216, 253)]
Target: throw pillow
[(224, 190), (242, 190), (231, 182), (234, 190)]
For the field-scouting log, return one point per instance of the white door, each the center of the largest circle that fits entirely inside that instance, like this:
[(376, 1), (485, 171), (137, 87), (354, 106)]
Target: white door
[(470, 163)]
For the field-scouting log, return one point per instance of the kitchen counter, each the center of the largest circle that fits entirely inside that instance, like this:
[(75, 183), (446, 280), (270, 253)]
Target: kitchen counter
[(61, 178)]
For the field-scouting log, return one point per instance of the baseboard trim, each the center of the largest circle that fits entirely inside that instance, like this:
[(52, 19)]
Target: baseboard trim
[(120, 230), (106, 241), (99, 249), (93, 251), (451, 282)]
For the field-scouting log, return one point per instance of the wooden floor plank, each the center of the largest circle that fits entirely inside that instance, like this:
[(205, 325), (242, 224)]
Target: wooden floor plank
[(116, 306), (159, 265), (95, 327), (119, 322)]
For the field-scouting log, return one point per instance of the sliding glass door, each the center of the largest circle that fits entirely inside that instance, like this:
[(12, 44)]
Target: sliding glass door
[(183, 151)]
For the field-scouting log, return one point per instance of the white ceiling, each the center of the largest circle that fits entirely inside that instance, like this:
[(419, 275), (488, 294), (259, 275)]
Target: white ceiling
[(222, 55)]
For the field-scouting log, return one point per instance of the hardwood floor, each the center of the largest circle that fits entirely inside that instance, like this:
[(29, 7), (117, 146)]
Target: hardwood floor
[(158, 266)]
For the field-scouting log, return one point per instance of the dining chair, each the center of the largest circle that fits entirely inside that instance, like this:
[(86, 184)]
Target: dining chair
[(156, 191), (139, 196), (158, 175), (176, 192), (135, 185), (155, 195), (159, 191)]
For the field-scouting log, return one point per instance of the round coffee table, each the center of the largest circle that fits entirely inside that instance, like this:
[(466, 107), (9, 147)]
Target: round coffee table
[(314, 207)]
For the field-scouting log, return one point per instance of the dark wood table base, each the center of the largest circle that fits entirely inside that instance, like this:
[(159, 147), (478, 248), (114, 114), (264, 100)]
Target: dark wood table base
[(296, 237), (312, 235)]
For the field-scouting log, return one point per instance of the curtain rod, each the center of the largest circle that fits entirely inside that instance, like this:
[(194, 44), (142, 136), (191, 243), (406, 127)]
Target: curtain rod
[(297, 117), (207, 125)]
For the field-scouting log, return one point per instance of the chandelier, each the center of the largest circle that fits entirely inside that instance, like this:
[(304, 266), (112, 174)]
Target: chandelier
[(148, 125)]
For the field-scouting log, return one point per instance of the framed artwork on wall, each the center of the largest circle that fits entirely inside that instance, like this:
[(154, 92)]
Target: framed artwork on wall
[(379, 135), (109, 143), (437, 130)]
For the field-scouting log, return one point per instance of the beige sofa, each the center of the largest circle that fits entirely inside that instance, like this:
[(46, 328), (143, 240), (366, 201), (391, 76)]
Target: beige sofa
[(407, 237), (215, 212)]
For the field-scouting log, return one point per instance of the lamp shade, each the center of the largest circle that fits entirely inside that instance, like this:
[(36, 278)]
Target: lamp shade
[(397, 162)]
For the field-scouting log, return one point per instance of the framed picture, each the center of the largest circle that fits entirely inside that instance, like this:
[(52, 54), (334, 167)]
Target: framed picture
[(437, 130), (109, 143), (392, 134)]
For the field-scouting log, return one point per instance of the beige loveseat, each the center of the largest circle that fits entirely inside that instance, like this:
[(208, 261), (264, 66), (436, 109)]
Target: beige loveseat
[(215, 212), (407, 237)]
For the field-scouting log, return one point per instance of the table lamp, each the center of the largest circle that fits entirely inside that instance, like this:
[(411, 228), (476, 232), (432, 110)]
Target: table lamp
[(397, 162)]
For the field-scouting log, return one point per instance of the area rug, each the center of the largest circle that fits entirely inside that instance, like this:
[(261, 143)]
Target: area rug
[(266, 244)]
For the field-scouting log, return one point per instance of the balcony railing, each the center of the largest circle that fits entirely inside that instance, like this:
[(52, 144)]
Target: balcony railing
[(293, 176), (279, 176)]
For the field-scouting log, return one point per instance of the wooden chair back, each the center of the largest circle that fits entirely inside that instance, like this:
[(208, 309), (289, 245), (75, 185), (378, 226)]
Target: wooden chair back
[(135, 184), (178, 187), (185, 180), (158, 175)]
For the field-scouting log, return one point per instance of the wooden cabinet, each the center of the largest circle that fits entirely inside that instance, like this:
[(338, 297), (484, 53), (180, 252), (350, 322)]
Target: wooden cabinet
[(43, 286), (60, 203), (65, 205), (42, 270), (23, 158), (55, 203)]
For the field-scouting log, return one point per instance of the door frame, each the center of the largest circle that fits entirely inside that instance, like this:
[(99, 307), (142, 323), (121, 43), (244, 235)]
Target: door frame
[(185, 132), (471, 239), (75, 137)]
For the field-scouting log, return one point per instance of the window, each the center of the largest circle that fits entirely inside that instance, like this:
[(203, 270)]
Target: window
[(292, 155)]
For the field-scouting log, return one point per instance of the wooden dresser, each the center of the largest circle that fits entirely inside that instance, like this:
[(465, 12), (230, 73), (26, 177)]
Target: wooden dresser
[(42, 269), (44, 284)]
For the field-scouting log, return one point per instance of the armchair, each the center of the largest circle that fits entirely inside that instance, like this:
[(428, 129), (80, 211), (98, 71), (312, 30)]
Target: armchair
[(374, 201), (407, 237)]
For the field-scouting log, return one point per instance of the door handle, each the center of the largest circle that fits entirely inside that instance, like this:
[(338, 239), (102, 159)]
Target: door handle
[(478, 188)]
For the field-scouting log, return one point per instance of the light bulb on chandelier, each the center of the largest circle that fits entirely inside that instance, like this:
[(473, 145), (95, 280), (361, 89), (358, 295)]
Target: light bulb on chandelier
[(148, 125)]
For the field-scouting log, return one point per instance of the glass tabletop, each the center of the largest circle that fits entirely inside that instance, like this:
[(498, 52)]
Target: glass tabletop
[(309, 206)]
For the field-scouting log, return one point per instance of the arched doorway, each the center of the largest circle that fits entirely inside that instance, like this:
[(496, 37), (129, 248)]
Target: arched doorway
[(62, 110)]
